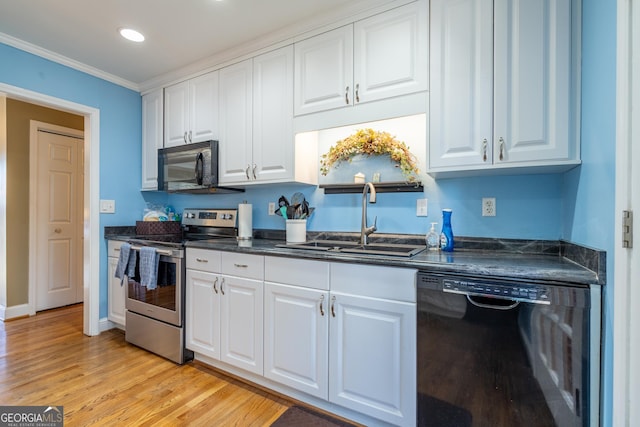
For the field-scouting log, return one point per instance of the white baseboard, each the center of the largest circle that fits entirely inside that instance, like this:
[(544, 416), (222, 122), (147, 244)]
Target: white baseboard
[(7, 313), (105, 324)]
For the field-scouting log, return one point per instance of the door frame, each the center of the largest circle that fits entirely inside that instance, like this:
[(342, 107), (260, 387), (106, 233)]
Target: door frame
[(36, 126), (626, 319), (91, 223)]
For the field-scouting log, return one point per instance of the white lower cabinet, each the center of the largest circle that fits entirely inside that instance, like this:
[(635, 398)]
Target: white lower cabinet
[(343, 333), (372, 345), (224, 312), (116, 305), (241, 323)]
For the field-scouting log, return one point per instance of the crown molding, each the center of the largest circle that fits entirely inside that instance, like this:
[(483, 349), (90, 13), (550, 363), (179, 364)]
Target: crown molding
[(68, 62)]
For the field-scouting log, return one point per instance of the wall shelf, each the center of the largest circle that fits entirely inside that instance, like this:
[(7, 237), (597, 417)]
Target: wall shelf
[(381, 187)]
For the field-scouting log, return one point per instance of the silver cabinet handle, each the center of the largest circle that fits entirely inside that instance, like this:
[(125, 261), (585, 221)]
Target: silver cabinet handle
[(246, 172), (241, 265), (117, 249), (190, 136), (346, 95), (215, 285), (357, 92), (254, 171), (222, 286), (57, 230), (202, 260), (185, 136), (484, 150), (322, 305), (333, 306), (501, 148)]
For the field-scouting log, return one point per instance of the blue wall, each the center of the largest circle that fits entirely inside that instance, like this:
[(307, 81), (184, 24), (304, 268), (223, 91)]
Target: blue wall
[(589, 192), (120, 131)]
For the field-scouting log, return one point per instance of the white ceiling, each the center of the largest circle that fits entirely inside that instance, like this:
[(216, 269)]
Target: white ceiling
[(178, 33)]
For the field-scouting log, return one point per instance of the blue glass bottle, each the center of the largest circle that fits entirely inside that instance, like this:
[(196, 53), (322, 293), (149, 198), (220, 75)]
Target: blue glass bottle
[(446, 236)]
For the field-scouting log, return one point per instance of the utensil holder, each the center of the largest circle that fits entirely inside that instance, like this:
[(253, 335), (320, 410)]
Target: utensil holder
[(296, 230)]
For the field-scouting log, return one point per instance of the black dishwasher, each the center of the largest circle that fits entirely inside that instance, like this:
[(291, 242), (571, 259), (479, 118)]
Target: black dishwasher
[(507, 353)]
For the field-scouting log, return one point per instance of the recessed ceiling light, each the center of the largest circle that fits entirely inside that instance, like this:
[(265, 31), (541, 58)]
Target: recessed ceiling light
[(132, 35)]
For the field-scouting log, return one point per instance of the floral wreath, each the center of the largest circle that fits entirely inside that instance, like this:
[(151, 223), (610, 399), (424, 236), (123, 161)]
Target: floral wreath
[(371, 143)]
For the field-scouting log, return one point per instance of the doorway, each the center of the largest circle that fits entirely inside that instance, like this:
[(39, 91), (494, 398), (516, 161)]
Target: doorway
[(91, 215), (55, 212)]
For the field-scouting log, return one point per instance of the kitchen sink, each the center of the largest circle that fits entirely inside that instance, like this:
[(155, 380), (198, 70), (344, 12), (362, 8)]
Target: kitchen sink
[(390, 249)]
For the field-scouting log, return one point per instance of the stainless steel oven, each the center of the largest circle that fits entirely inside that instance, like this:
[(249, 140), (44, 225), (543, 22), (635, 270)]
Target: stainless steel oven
[(507, 353), (155, 315)]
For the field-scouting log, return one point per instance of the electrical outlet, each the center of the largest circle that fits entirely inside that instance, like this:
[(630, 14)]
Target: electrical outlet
[(488, 206), (272, 208), (421, 207)]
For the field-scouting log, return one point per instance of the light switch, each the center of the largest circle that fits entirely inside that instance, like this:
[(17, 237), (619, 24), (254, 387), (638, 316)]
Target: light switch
[(107, 206), (421, 207)]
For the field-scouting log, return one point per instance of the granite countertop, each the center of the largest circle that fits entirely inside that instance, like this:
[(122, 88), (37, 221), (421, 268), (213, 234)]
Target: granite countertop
[(489, 263), (549, 261)]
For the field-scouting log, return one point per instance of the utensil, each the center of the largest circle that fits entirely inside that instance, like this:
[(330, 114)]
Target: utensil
[(291, 212), (282, 201), (283, 212)]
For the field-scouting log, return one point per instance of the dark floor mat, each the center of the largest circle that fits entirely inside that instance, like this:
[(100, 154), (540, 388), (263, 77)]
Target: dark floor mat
[(297, 416)]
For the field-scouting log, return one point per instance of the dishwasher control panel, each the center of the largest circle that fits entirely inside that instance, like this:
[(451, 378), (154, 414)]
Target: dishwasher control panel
[(526, 293)]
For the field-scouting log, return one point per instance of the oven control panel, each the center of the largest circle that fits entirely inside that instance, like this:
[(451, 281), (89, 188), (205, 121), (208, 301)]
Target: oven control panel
[(223, 218)]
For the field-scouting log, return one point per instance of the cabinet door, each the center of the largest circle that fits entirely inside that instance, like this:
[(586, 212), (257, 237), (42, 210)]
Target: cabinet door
[(152, 114), (391, 53), (176, 114), (372, 352), (324, 71), (204, 108), (273, 115), (532, 81), (236, 113), (461, 83), (241, 322), (296, 338), (202, 321), (116, 294)]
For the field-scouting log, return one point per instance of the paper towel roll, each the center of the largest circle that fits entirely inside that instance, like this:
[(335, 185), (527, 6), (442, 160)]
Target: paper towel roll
[(245, 221)]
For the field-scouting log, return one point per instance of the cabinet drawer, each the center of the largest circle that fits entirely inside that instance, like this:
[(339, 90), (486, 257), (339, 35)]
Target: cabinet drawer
[(243, 265), (298, 272), (203, 260), (372, 281), (113, 248)]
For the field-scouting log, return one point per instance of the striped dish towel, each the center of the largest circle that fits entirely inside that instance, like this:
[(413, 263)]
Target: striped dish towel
[(126, 263), (149, 261)]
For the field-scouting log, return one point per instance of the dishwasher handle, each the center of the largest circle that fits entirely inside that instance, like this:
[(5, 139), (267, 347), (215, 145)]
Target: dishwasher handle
[(511, 306)]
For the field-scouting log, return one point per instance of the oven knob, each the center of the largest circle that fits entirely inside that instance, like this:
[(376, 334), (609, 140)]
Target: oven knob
[(230, 216)]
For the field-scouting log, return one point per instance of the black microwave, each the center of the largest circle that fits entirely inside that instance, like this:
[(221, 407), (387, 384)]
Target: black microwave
[(190, 168)]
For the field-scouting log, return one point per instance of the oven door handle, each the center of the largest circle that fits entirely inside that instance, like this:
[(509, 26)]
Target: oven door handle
[(159, 251)]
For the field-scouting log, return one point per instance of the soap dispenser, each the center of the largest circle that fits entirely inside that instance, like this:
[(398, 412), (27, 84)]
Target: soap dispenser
[(433, 239)]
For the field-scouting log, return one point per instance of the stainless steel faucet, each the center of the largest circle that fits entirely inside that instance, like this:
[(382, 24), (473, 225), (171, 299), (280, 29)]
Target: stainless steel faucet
[(364, 230)]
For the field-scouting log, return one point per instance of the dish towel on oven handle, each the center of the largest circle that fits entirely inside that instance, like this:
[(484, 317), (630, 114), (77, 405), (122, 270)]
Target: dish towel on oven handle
[(126, 263), (149, 262)]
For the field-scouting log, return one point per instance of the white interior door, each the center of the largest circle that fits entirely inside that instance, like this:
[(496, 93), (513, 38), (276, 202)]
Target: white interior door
[(58, 233)]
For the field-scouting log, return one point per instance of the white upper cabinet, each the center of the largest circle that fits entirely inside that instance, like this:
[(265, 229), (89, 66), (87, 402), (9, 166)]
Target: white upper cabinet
[(380, 57), (151, 138), (324, 71), (501, 94), (256, 122), (236, 118), (191, 111)]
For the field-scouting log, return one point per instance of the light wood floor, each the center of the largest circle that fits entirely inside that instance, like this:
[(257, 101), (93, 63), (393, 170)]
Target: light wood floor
[(102, 380)]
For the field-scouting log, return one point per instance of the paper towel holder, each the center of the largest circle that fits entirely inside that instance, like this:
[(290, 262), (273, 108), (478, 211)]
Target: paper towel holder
[(245, 221)]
